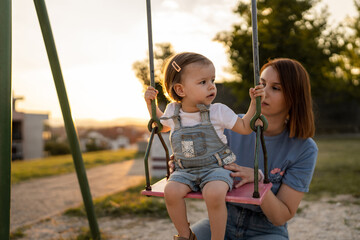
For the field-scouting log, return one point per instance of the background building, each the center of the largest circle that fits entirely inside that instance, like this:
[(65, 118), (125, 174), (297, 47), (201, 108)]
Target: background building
[(27, 134)]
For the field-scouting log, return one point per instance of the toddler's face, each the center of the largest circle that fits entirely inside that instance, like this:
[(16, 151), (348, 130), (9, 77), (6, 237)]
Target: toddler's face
[(198, 83)]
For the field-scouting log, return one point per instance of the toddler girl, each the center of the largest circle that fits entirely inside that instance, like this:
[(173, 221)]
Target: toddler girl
[(197, 140)]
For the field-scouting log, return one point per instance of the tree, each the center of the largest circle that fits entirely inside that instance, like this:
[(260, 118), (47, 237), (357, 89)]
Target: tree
[(347, 61), (162, 51), (286, 28), (57, 148)]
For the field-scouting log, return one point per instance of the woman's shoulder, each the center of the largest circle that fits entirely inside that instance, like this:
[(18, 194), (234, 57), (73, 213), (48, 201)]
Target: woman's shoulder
[(293, 145), (307, 143)]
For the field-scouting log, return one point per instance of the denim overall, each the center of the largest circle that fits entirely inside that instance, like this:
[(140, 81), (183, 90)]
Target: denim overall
[(199, 152)]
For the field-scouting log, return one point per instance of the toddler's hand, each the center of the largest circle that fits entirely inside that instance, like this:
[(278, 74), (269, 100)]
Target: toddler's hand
[(150, 94), (258, 91)]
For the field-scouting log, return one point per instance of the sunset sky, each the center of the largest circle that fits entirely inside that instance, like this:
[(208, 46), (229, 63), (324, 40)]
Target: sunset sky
[(98, 41)]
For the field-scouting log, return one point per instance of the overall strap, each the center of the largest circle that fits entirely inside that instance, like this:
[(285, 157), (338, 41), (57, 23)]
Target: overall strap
[(204, 113), (176, 117)]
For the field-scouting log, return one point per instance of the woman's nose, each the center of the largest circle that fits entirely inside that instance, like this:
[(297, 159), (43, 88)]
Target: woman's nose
[(266, 89)]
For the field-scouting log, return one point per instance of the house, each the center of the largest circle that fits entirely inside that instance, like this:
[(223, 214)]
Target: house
[(104, 138), (27, 134)]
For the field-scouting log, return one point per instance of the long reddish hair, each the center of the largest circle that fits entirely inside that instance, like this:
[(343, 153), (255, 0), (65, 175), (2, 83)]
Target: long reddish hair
[(295, 83)]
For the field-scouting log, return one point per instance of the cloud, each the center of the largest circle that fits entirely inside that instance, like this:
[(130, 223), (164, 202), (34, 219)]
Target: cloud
[(170, 4)]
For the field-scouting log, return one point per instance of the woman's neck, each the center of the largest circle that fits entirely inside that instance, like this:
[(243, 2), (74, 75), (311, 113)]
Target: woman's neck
[(276, 126)]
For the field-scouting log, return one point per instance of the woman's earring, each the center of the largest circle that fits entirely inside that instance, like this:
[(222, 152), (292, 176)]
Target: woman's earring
[(287, 119)]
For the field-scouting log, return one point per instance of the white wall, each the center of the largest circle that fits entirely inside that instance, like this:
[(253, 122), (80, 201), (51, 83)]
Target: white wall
[(33, 143)]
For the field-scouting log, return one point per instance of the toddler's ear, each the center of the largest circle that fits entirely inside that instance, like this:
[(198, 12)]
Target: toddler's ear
[(179, 89)]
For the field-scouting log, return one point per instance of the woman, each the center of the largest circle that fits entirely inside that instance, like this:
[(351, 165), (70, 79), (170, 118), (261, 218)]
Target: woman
[(291, 156)]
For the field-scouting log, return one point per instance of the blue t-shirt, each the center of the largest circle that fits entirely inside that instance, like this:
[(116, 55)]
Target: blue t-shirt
[(290, 160)]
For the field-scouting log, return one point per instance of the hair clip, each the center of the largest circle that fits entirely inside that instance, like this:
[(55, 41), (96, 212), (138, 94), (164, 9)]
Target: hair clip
[(176, 66)]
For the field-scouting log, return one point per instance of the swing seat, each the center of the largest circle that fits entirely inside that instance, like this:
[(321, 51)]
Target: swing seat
[(243, 194)]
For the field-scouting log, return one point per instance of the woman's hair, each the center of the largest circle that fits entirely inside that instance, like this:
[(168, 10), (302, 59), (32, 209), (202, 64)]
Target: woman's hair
[(295, 83), (174, 68)]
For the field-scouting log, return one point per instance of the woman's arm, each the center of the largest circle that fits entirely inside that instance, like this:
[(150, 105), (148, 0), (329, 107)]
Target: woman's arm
[(277, 208), (281, 208)]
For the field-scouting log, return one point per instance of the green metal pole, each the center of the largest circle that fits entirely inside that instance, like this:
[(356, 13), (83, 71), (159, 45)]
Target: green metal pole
[(5, 118), (65, 108), (256, 164), (256, 67), (154, 118)]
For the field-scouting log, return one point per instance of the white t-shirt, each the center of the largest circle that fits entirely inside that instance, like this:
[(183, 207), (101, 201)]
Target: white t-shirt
[(221, 117)]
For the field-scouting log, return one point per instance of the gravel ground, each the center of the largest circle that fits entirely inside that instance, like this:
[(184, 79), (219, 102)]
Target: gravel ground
[(330, 219)]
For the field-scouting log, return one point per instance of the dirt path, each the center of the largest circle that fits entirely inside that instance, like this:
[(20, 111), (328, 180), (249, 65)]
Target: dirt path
[(35, 200)]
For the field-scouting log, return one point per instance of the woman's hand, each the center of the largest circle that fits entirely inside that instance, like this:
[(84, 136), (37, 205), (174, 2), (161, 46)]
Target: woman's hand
[(245, 173), (171, 164), (257, 91)]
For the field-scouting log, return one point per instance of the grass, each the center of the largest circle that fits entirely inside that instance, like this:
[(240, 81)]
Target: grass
[(18, 234), (50, 166), (337, 169), (126, 203)]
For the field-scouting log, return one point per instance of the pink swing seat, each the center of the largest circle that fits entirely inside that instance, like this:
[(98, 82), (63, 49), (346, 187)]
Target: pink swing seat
[(243, 194)]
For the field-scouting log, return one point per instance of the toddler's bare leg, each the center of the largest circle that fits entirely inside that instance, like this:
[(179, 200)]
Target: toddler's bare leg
[(214, 193), (175, 204)]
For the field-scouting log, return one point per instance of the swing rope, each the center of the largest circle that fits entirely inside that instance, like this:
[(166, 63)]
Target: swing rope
[(257, 116), (154, 119)]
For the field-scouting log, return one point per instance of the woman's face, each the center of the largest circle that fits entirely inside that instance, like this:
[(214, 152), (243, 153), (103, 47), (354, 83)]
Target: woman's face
[(274, 104)]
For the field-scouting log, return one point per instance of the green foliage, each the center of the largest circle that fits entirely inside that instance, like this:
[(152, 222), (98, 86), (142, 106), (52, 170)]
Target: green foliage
[(347, 60), (337, 169), (286, 28), (49, 166), (128, 202), (162, 51), (92, 146), (57, 148)]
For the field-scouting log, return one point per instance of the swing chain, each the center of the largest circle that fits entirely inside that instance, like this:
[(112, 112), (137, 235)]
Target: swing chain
[(154, 124)]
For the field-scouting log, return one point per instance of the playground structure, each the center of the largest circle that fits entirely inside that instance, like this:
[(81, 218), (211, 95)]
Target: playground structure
[(6, 115)]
